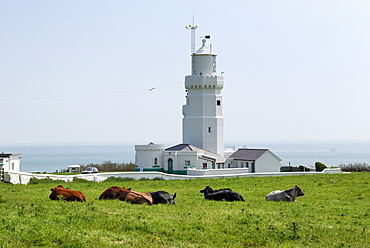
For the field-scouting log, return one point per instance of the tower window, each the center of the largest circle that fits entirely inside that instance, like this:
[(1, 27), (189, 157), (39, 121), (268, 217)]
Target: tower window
[(218, 102), (209, 129), (155, 161)]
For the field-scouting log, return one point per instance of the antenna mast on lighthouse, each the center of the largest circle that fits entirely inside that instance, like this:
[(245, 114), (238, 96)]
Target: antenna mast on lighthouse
[(192, 27)]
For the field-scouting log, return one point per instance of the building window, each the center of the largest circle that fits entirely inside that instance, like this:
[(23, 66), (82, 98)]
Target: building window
[(187, 163), (241, 164), (246, 164), (204, 165), (218, 102), (155, 161), (209, 129), (12, 166)]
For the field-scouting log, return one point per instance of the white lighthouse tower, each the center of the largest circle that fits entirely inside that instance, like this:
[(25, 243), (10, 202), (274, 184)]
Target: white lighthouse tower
[(203, 123)]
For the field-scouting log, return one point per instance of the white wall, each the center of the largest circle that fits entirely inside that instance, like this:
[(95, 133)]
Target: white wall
[(179, 159), (267, 163), (145, 155), (201, 112), (24, 177), (12, 163)]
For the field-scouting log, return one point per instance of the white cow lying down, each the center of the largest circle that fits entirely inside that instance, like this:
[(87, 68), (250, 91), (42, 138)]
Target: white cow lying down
[(288, 195)]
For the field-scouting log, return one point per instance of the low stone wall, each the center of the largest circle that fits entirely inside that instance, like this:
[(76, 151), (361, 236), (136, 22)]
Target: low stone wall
[(25, 177), (214, 172)]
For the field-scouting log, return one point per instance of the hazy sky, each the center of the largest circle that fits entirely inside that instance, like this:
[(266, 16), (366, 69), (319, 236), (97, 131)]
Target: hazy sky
[(80, 71)]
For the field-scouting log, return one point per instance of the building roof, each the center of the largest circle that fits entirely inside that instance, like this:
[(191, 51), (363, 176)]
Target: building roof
[(74, 166), (191, 148), (246, 154), (6, 155)]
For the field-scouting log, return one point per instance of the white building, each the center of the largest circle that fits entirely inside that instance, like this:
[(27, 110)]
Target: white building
[(202, 129), (255, 160), (9, 162)]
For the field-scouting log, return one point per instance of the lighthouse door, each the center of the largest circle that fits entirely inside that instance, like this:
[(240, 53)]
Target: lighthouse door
[(170, 165)]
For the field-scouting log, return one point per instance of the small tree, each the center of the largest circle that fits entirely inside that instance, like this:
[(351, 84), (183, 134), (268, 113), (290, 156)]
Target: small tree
[(320, 166)]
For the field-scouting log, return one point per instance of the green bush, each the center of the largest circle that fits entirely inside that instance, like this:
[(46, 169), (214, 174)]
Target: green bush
[(34, 180), (158, 178), (303, 168), (80, 180), (320, 166), (118, 179)]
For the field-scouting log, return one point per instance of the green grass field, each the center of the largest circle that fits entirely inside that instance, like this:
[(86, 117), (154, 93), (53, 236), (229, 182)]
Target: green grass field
[(334, 212)]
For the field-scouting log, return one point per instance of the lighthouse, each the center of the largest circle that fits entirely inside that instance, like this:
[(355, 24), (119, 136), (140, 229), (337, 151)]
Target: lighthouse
[(201, 152), (203, 123)]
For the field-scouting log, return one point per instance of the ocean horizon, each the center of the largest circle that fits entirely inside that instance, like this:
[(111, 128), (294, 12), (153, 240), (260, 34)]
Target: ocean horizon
[(56, 157)]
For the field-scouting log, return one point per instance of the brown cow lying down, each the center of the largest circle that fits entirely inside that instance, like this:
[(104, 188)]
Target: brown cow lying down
[(136, 197), (112, 193), (61, 193), (288, 195)]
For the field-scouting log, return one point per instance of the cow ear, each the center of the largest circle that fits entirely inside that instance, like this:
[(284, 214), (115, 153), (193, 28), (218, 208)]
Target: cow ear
[(129, 188), (174, 196)]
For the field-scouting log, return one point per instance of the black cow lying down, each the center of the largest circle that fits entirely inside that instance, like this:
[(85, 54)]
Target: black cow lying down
[(221, 194), (163, 197), (288, 195)]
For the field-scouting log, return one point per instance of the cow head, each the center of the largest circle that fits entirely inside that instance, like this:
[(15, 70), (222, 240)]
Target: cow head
[(172, 200), (57, 187), (299, 191), (207, 190)]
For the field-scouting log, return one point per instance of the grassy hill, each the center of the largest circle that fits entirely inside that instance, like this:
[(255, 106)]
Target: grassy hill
[(333, 213)]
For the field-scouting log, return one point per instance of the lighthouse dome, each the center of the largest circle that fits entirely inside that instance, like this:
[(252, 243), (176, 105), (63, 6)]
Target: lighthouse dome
[(204, 49)]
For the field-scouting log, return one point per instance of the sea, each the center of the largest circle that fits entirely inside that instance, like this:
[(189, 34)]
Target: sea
[(52, 158)]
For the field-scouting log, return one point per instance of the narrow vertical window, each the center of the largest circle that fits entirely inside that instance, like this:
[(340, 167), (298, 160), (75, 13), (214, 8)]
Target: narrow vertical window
[(155, 161), (218, 102), (209, 129)]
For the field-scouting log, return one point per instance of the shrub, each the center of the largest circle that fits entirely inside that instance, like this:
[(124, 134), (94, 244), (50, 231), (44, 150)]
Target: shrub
[(118, 179), (303, 168), (80, 180), (356, 167), (34, 180), (320, 166), (111, 166)]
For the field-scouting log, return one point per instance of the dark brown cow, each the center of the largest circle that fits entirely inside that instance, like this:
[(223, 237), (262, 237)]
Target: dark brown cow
[(61, 193), (112, 193), (136, 197)]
